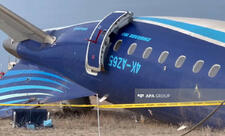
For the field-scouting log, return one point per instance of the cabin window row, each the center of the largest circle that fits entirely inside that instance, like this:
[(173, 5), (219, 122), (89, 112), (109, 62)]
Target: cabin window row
[(164, 55)]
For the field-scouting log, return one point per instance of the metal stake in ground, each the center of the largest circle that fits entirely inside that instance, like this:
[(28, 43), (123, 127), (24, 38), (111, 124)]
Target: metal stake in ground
[(98, 117)]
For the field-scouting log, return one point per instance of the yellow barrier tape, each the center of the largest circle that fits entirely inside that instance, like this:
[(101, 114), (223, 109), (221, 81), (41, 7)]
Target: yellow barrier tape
[(137, 105)]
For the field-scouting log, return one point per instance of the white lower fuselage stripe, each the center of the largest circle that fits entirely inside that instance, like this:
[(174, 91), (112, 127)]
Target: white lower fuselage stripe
[(22, 95)]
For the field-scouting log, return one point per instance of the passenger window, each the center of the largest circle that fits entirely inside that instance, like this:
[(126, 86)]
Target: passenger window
[(132, 48), (198, 66), (214, 70), (163, 56), (180, 61), (147, 53), (117, 45)]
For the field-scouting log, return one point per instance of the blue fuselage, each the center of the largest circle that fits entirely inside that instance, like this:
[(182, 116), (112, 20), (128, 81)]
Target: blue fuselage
[(125, 74)]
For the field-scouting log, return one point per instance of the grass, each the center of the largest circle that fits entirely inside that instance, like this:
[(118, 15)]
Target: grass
[(113, 123), (117, 122)]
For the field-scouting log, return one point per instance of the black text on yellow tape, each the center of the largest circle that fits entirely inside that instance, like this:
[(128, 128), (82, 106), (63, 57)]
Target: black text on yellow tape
[(137, 105)]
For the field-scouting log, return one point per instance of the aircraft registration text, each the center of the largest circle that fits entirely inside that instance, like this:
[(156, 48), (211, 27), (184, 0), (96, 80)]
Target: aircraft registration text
[(122, 64)]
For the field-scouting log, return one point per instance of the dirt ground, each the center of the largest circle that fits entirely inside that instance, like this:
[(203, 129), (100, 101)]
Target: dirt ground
[(112, 122)]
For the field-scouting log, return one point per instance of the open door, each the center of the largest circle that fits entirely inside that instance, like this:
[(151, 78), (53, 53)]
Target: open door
[(100, 39)]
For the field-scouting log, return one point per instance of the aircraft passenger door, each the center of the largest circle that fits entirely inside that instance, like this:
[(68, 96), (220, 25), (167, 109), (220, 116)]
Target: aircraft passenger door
[(100, 39)]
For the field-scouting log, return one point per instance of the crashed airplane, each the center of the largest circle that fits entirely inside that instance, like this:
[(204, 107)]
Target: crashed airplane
[(128, 59)]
